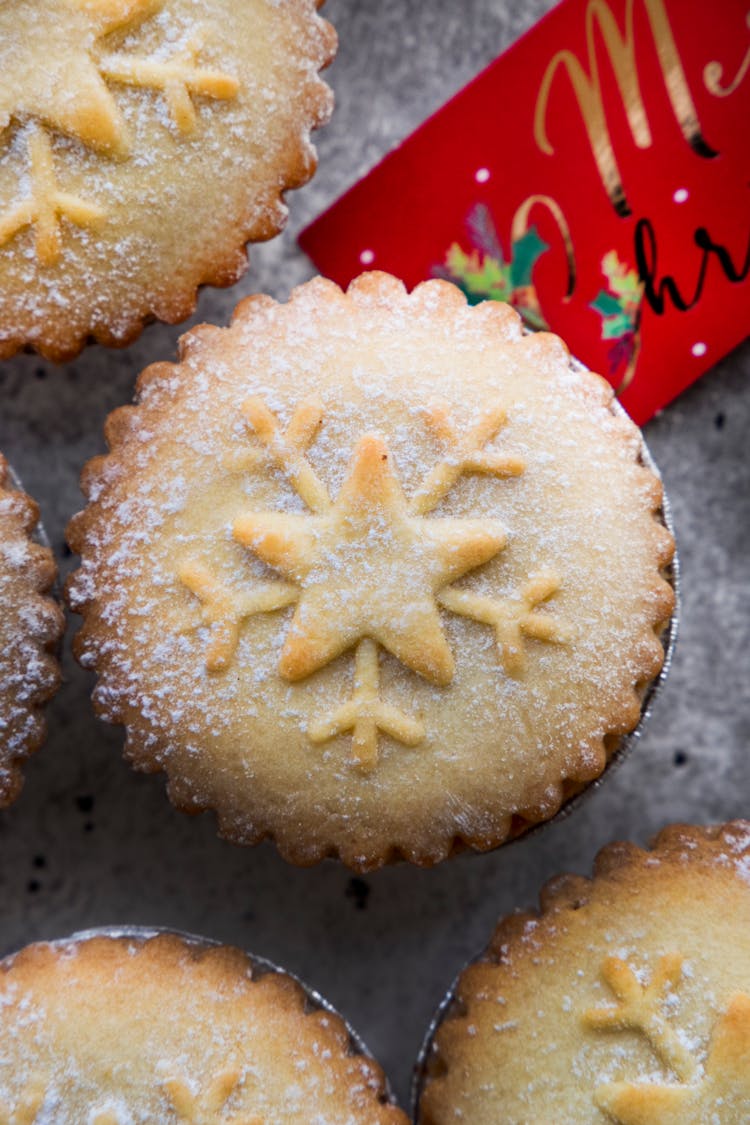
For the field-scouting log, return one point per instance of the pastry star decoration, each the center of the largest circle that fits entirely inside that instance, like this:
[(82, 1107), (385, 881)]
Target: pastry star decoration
[(46, 203), (53, 74), (369, 569), (721, 1094), (208, 1108), (50, 74), (641, 1008)]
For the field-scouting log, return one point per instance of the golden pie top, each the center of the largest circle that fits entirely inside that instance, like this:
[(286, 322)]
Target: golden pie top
[(142, 143), (30, 626), (371, 572), (119, 1031), (626, 1000)]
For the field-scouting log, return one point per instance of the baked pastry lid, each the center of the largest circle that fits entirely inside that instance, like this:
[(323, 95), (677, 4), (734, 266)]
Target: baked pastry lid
[(261, 966), (420, 1073), (245, 825), (36, 668)]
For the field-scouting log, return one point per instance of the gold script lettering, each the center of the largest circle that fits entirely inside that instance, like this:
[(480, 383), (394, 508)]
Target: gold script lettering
[(520, 225), (714, 72), (587, 88)]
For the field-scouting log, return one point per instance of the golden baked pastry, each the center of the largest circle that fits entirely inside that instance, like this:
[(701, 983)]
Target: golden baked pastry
[(626, 1000), (142, 144), (373, 573), (31, 625), (118, 1030)]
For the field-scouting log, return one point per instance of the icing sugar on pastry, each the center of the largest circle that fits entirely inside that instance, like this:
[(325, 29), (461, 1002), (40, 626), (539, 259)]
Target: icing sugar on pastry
[(348, 577), (625, 1000), (142, 143), (128, 1031), (720, 1092)]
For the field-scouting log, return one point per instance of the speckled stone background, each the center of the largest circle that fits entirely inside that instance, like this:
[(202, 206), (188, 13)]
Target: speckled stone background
[(90, 842)]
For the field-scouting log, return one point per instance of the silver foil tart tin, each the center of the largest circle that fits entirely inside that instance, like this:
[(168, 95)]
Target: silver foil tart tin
[(421, 1066)]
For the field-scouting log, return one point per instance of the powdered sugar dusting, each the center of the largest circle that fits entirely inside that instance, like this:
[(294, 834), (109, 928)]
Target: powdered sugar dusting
[(178, 180), (629, 998), (580, 507), (117, 1030)]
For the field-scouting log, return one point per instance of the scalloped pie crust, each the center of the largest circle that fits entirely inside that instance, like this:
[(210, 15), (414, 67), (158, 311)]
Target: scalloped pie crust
[(624, 1001), (371, 572)]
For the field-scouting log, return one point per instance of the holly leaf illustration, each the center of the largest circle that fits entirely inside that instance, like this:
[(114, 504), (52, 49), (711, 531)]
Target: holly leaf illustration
[(628, 287), (483, 274), (606, 304), (480, 277), (616, 326), (457, 260), (526, 252), (622, 281)]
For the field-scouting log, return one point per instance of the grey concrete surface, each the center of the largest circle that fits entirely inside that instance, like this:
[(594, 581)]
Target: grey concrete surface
[(90, 842)]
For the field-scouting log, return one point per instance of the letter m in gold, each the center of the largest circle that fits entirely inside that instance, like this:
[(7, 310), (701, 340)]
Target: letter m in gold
[(621, 51)]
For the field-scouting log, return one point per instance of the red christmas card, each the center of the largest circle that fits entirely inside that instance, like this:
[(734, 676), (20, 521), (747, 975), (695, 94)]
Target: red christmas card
[(607, 199)]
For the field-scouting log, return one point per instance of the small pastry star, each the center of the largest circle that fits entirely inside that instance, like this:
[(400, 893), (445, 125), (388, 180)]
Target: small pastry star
[(65, 89), (365, 714), (179, 78), (722, 1095), (513, 619), (226, 609), (208, 1108), (641, 1008), (46, 205), (368, 567)]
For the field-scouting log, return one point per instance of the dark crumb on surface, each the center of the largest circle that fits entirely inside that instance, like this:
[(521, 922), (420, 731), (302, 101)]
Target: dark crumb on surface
[(719, 420), (33, 886), (39, 861), (85, 803), (680, 758), (40, 373), (359, 891)]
